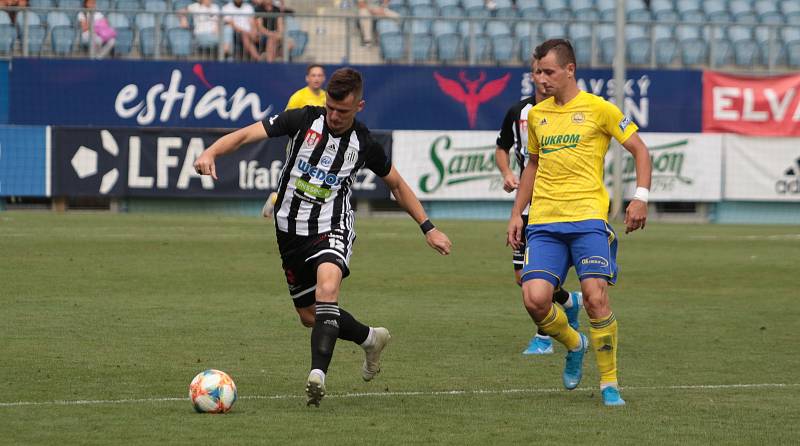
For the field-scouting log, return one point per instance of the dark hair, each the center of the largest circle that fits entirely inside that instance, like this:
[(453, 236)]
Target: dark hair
[(343, 82), (562, 48), (312, 66)]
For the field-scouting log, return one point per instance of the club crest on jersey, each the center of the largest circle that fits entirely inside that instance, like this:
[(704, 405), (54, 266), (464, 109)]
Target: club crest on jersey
[(350, 155), (312, 138), (578, 118)]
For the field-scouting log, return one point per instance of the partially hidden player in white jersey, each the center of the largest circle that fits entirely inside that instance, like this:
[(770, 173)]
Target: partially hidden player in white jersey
[(314, 221)]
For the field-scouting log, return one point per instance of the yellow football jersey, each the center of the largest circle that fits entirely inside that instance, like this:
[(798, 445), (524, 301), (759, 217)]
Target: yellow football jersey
[(305, 96), (571, 142)]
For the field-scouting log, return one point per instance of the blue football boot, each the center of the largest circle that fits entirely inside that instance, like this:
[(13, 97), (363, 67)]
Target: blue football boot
[(573, 369)]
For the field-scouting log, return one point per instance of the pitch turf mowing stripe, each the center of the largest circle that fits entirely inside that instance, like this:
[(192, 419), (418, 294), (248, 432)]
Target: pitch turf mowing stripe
[(403, 394)]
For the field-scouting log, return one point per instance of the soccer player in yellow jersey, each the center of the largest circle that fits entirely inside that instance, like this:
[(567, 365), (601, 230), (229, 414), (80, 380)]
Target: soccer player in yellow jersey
[(312, 93), (568, 136)]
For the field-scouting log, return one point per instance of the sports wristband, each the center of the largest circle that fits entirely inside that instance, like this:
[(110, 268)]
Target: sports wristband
[(642, 193), (427, 226)]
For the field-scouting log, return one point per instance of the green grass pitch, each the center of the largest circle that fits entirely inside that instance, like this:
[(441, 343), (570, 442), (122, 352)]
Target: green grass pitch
[(106, 318)]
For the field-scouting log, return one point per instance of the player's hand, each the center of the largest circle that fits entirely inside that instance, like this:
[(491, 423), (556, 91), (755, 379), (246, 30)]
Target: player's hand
[(514, 233), (438, 240), (510, 183), (204, 164), (635, 215)]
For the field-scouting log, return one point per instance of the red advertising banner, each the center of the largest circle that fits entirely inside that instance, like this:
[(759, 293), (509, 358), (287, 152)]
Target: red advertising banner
[(751, 105)]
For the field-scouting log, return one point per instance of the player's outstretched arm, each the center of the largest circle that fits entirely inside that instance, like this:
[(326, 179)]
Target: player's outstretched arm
[(204, 164), (636, 212), (523, 199), (407, 200)]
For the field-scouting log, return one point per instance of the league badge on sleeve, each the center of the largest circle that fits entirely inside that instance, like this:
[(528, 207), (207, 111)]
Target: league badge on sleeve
[(624, 123)]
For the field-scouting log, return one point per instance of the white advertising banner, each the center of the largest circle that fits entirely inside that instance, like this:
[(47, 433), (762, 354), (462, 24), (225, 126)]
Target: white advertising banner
[(449, 165), (762, 169), (686, 167), (460, 165)]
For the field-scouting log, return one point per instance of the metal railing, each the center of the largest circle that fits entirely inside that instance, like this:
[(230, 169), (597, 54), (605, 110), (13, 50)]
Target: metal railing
[(335, 38)]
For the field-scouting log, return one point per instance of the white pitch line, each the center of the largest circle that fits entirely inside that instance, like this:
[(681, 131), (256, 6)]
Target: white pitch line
[(401, 394)]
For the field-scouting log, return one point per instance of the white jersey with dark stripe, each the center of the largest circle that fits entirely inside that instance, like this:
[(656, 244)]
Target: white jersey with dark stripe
[(315, 183), (514, 132)]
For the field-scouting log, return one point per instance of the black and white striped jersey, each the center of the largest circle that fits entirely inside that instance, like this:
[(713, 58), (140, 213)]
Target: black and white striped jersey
[(314, 187), (514, 132)]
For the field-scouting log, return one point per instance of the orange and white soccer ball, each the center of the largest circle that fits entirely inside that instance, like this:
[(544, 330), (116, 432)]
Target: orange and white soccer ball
[(212, 391)]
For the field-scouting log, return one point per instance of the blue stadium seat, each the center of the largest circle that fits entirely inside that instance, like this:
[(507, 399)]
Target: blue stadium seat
[(441, 27), (506, 12), (444, 3), (414, 3), (421, 47), (8, 36), (72, 5), (33, 19), (722, 52), (553, 30), (791, 11), (36, 35), (711, 7), (694, 51), (426, 11), (179, 41), (764, 7), (771, 45), (696, 16), (479, 45), (557, 9), (387, 26), (503, 48), (495, 28), (742, 11), (579, 30), (448, 47), (793, 54), (58, 18), (118, 20), (452, 11), (62, 39), (393, 47), (666, 46), (467, 26), (776, 18), (104, 5), (4, 18), (145, 20), (534, 13), (417, 26), (171, 21), (124, 43), (720, 17), (155, 6), (41, 3), (147, 41), (129, 7), (298, 35), (178, 5), (688, 32), (746, 53), (740, 32), (666, 15), (583, 50), (637, 11)]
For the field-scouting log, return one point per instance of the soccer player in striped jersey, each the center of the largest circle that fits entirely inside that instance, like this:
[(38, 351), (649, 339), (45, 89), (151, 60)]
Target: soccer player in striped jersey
[(314, 220), (568, 136), (514, 136)]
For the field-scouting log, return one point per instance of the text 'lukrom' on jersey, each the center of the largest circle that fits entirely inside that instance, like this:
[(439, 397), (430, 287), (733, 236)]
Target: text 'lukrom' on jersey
[(571, 142), (314, 187)]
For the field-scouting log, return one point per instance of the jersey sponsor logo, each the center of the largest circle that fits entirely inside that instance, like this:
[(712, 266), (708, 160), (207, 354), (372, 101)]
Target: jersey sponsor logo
[(595, 261), (311, 138), (315, 172), (312, 190), (272, 119), (559, 142), (471, 96), (624, 123), (578, 118), (790, 184)]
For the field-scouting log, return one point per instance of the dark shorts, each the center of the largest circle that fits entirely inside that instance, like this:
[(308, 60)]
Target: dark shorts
[(301, 255), (589, 245), (518, 256)]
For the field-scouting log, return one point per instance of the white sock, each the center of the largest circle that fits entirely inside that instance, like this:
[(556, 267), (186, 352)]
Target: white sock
[(569, 303), (370, 341), (611, 384), (319, 372)]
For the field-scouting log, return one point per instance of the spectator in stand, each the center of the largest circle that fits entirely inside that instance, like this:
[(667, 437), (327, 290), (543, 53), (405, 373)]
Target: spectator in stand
[(104, 36), (271, 29), (240, 19), (204, 15), (367, 10)]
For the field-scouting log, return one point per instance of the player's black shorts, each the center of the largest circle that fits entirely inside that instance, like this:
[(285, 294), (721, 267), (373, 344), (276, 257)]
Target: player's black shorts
[(302, 254), (519, 254)]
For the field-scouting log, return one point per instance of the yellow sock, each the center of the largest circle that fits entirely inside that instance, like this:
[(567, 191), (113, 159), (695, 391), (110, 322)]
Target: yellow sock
[(603, 333), (556, 326)]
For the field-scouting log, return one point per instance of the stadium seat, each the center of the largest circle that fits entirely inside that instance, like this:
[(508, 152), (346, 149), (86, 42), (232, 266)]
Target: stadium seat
[(36, 35), (578, 31), (118, 20), (793, 54), (178, 5), (72, 5), (553, 30), (147, 41), (666, 15), (445, 3), (179, 41), (62, 39), (8, 36), (688, 32), (171, 21), (124, 43), (506, 12), (585, 10), (129, 8), (448, 47), (478, 46), (721, 52), (452, 11), (426, 11), (583, 50), (503, 48), (441, 27), (534, 13), (421, 47), (32, 20), (103, 5), (666, 47), (771, 45), (45, 4), (693, 51), (661, 5), (383, 26), (155, 6), (495, 28), (58, 18), (393, 47), (298, 35), (776, 18), (414, 3), (637, 11), (742, 11), (145, 20), (465, 27), (418, 26), (4, 18)]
